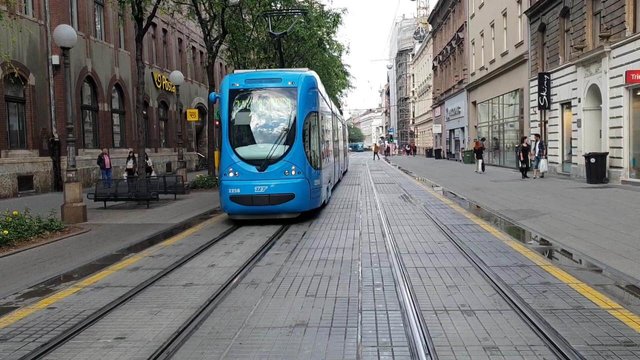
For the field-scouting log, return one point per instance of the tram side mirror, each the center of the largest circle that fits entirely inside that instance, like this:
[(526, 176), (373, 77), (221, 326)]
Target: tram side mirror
[(243, 117), (213, 97)]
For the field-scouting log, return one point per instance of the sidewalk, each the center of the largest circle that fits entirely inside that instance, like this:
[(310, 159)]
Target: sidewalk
[(599, 221), (111, 229)]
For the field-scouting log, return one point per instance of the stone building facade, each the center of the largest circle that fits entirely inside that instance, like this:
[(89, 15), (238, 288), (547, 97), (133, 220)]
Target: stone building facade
[(590, 49), (450, 76), (422, 94), (499, 73), (32, 91)]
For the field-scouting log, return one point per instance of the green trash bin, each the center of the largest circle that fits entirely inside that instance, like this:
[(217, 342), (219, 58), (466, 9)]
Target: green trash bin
[(467, 157)]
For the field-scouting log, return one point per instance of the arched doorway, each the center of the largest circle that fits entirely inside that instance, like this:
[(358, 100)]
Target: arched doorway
[(592, 129)]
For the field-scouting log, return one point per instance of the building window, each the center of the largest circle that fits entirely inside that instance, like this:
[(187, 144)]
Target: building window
[(180, 64), (505, 37), (27, 7), (493, 41), (165, 49), (596, 11), (194, 63), (473, 6), (203, 72), (118, 117), (163, 119), (154, 50), (482, 50), (99, 14), (121, 35), (73, 8), (520, 23), (499, 122), (15, 101), (89, 109), (565, 38), (473, 55), (542, 47)]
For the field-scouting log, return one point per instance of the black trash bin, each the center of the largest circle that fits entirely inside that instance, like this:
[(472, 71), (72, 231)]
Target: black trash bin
[(595, 164), (429, 153), (438, 153)]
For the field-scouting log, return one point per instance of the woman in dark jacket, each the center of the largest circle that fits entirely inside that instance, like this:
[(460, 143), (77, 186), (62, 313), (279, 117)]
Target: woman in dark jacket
[(131, 165), (523, 156), (478, 151)]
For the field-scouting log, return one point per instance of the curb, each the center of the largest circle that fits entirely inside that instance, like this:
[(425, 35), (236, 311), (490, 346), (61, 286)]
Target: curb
[(81, 230)]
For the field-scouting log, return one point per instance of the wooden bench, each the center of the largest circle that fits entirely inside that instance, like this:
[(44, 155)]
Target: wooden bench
[(126, 190)]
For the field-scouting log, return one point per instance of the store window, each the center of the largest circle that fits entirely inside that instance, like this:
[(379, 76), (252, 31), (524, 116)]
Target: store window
[(163, 119), (15, 102), (89, 109), (27, 7), (118, 116), (500, 124), (99, 14), (634, 156)]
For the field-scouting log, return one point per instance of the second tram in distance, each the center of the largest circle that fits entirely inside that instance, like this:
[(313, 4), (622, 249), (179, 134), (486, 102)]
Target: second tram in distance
[(284, 143)]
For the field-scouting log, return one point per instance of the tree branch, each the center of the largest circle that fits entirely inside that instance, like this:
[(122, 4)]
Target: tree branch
[(151, 16)]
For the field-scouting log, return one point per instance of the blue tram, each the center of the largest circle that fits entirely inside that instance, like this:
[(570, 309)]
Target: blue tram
[(284, 143)]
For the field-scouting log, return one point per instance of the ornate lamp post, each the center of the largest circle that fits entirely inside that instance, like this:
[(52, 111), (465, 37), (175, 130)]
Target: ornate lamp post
[(73, 209), (177, 78)]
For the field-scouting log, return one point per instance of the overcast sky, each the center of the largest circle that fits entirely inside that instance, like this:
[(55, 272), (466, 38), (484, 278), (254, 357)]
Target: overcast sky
[(366, 31)]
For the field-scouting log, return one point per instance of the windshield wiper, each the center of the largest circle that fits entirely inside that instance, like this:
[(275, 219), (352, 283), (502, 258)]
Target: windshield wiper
[(265, 163)]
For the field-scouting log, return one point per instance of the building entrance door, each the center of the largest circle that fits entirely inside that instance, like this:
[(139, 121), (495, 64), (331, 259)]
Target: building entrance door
[(566, 154), (592, 130)]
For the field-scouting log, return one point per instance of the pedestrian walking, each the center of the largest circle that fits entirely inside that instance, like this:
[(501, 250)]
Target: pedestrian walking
[(376, 149), (523, 156), (539, 152), (104, 162), (478, 151), (131, 165), (387, 150), (407, 150), (414, 149)]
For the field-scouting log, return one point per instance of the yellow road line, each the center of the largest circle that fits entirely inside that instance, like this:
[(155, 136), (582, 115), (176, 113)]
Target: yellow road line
[(42, 304), (604, 302)]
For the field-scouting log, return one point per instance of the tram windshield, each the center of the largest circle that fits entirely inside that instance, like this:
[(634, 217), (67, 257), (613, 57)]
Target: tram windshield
[(262, 124)]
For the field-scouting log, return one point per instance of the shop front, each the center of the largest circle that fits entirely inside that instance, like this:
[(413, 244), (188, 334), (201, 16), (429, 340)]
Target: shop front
[(456, 125), (500, 124)]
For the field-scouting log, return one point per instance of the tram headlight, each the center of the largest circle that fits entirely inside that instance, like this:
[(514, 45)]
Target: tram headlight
[(232, 173), (292, 172)]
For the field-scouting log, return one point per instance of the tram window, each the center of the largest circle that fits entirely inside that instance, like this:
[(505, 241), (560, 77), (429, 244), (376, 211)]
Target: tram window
[(311, 137)]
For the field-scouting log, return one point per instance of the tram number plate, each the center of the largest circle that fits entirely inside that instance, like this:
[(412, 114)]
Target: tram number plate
[(260, 189), (234, 191)]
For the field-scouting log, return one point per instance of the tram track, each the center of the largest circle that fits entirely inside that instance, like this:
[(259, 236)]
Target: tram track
[(180, 335), (536, 322), (421, 344)]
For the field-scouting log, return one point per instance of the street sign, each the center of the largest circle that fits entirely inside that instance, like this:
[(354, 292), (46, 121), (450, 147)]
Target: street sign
[(193, 115), (544, 91), (391, 131), (632, 76)]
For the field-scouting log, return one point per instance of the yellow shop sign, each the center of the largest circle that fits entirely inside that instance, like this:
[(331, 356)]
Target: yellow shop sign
[(162, 82)]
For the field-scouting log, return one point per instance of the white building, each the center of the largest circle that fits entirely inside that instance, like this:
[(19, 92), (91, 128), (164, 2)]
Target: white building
[(371, 123), (422, 94)]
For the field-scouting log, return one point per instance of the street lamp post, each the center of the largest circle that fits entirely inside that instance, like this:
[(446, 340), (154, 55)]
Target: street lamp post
[(73, 210), (177, 78)]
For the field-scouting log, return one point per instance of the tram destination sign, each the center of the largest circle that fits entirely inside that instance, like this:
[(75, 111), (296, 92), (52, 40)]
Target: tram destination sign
[(544, 91)]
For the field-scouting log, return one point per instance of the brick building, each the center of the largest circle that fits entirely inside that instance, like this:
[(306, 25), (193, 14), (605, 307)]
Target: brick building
[(450, 76), (32, 109), (587, 47)]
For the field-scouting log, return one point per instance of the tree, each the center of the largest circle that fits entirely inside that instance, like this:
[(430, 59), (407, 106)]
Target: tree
[(311, 44), (143, 12), (355, 134), (211, 15)]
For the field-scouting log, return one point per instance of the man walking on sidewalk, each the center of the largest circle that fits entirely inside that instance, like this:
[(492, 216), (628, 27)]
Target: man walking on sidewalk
[(376, 148), (104, 161), (539, 152)]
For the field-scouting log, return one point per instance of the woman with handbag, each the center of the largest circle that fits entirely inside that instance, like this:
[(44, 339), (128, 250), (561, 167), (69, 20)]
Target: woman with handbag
[(523, 156), (478, 151), (131, 165)]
